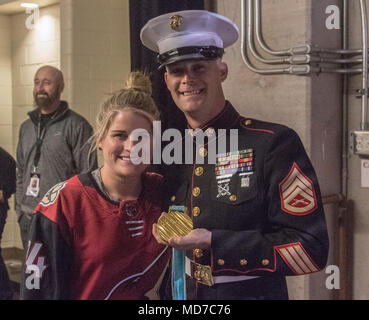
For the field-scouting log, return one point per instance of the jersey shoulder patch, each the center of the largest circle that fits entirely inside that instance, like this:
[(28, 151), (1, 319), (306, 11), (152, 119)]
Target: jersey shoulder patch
[(51, 196)]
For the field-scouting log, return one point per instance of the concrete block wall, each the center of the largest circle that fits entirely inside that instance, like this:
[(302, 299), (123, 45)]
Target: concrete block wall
[(32, 48), (6, 118), (22, 51), (95, 51), (6, 115)]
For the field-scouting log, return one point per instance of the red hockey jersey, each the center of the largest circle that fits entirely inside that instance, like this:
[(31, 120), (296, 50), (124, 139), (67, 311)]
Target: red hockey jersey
[(84, 246)]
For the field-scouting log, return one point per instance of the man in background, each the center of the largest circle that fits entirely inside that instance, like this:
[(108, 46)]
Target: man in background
[(53, 145)]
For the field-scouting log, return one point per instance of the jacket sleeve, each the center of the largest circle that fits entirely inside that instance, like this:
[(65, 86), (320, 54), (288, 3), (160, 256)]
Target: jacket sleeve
[(8, 178), (48, 267), (19, 175), (81, 146), (293, 239)]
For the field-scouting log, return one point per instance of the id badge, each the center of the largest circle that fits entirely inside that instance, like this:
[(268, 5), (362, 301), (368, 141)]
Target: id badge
[(33, 188)]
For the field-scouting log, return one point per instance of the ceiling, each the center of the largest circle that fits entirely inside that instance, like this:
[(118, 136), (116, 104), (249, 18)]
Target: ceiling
[(9, 7)]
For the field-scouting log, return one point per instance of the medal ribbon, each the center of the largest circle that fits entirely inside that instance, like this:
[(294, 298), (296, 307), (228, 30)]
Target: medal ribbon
[(178, 269)]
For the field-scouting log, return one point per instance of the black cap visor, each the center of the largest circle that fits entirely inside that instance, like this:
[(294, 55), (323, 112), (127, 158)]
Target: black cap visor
[(188, 53)]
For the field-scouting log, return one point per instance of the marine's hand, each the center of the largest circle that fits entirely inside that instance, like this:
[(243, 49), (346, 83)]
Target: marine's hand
[(196, 239)]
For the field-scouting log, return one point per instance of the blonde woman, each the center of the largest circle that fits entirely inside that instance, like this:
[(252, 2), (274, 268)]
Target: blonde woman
[(90, 236)]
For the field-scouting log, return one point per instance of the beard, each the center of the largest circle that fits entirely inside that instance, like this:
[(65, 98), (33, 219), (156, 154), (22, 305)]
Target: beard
[(45, 101)]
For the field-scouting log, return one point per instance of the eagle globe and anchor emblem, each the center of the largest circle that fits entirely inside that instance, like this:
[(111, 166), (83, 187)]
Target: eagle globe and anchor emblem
[(176, 21)]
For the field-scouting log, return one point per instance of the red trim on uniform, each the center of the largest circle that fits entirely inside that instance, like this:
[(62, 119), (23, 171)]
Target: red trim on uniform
[(255, 129), (260, 130), (298, 261), (251, 270), (296, 258), (244, 272)]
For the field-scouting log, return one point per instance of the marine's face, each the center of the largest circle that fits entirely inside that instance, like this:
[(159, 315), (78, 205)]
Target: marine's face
[(118, 145), (196, 86), (47, 87)]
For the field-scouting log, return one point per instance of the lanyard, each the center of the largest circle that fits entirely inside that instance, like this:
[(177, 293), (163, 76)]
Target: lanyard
[(40, 139)]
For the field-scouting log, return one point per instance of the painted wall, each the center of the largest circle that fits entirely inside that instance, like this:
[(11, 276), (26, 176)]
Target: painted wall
[(6, 118), (5, 85), (95, 51), (27, 47)]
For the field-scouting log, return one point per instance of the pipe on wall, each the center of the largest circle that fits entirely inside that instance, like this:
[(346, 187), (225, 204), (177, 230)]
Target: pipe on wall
[(245, 34), (300, 60), (364, 99)]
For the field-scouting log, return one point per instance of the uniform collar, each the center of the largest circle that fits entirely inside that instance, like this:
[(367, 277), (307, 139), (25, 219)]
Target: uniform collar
[(226, 119)]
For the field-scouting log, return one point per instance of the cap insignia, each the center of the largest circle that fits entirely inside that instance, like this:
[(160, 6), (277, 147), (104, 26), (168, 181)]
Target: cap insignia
[(176, 21)]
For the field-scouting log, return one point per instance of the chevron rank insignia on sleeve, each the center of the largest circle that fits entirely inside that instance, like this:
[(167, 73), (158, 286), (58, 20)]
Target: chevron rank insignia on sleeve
[(297, 193)]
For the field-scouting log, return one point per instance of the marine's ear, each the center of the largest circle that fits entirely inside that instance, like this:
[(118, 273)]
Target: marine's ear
[(223, 69)]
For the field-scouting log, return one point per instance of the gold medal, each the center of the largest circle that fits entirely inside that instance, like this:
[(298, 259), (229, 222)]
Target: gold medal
[(174, 224)]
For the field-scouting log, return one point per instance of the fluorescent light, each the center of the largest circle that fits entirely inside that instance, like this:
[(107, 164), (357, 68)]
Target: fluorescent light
[(29, 5)]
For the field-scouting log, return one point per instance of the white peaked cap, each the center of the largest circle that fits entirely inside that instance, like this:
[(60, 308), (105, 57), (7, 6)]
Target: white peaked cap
[(204, 34)]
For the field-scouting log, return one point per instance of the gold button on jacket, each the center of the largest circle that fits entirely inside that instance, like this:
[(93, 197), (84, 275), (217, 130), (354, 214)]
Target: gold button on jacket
[(203, 152), (198, 253), (199, 171), (265, 262), (243, 262), (221, 262), (196, 191), (248, 122), (196, 211)]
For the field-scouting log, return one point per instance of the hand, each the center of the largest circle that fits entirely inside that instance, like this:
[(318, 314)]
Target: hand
[(196, 239)]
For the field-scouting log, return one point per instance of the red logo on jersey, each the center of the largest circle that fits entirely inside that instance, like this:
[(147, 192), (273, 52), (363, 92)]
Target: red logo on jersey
[(297, 193)]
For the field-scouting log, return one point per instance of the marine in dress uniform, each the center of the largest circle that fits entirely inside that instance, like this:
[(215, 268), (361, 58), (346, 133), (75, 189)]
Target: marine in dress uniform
[(261, 201)]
